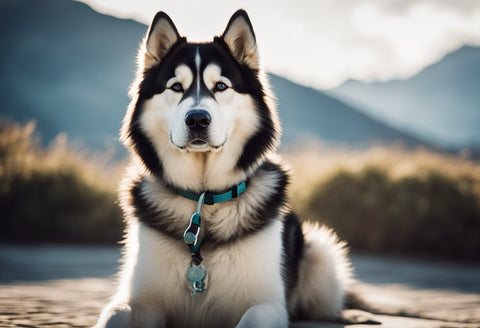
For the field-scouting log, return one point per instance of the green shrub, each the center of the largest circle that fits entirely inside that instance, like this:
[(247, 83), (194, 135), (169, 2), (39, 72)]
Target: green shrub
[(54, 194)]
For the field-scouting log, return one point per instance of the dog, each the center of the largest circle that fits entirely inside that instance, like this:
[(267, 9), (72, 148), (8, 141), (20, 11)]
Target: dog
[(211, 240)]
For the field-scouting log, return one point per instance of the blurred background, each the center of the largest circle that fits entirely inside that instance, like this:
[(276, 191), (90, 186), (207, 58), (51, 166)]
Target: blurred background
[(379, 102)]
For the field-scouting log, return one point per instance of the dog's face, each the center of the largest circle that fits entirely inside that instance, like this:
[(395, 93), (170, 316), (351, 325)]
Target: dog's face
[(200, 102), (205, 98)]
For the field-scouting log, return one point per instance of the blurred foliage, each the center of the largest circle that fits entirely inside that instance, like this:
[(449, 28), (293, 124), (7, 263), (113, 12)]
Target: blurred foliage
[(383, 200), (54, 194), (392, 200)]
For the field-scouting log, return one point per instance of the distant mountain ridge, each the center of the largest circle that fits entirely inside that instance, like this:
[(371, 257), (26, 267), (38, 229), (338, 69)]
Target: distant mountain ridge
[(306, 112), (441, 103), (69, 67)]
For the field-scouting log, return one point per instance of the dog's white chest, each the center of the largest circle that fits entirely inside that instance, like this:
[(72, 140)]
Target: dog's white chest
[(239, 275)]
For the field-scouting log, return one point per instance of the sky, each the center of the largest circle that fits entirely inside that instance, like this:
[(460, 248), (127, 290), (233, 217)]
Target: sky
[(322, 43)]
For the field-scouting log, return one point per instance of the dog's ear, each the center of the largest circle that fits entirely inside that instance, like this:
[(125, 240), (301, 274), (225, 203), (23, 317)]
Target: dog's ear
[(240, 39), (161, 36)]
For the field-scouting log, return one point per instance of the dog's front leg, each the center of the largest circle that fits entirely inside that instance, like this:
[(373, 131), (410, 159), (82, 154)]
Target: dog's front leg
[(267, 315), (121, 315)]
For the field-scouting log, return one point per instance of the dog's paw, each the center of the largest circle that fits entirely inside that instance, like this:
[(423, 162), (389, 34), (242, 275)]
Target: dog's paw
[(118, 316), (265, 316), (358, 317)]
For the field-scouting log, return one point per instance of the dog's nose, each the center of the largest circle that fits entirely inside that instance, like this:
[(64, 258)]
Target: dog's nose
[(197, 120)]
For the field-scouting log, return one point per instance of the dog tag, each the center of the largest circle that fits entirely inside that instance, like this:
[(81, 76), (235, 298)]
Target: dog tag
[(196, 273), (196, 276)]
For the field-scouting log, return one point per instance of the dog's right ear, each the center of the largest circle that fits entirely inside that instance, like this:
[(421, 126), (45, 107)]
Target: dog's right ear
[(240, 39), (161, 36)]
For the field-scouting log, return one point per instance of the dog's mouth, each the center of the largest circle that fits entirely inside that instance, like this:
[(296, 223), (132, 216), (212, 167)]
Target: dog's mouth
[(199, 144)]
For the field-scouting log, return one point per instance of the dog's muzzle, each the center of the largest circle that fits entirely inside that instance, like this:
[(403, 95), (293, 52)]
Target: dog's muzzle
[(197, 121)]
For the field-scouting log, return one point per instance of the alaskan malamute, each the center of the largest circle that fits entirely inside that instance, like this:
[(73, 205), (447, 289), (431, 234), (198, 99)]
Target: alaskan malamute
[(211, 240)]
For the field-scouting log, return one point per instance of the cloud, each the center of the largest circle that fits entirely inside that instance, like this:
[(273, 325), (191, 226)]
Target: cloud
[(323, 43), (414, 35)]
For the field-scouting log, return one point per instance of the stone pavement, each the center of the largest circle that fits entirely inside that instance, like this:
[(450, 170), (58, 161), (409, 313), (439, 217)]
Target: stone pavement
[(77, 301)]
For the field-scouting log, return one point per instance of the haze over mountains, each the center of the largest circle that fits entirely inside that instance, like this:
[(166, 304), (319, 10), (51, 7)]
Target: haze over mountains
[(440, 104), (69, 68)]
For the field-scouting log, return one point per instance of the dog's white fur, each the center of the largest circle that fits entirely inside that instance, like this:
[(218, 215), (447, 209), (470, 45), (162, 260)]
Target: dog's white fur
[(324, 274), (245, 287), (244, 278)]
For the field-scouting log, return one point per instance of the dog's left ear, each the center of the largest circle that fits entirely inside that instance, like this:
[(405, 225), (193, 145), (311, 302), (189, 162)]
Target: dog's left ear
[(240, 39)]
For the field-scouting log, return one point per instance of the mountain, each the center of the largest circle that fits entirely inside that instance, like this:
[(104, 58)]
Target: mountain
[(66, 66), (440, 104), (308, 112), (69, 67)]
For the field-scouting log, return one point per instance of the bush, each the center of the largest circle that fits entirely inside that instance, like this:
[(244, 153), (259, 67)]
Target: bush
[(414, 215), (54, 194), (433, 208)]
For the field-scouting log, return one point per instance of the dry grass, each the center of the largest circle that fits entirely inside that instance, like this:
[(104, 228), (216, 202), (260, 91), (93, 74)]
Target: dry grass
[(22, 153), (391, 199), (55, 193), (315, 164)]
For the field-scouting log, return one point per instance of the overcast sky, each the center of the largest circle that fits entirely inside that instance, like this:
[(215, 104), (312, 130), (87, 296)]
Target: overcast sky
[(322, 43)]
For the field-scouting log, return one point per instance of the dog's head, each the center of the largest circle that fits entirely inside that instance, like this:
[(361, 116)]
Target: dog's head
[(200, 106)]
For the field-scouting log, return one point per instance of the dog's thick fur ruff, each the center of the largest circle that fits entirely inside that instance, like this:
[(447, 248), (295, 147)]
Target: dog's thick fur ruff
[(201, 119)]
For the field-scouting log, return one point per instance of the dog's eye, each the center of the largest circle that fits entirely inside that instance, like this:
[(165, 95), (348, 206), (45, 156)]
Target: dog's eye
[(177, 87), (220, 86)]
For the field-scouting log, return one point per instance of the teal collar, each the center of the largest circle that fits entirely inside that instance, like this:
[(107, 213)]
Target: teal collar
[(211, 198), (197, 273)]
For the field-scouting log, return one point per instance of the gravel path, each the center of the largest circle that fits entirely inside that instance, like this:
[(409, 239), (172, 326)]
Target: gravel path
[(67, 287)]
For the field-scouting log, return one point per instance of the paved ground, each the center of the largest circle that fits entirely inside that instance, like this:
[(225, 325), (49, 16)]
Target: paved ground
[(67, 287)]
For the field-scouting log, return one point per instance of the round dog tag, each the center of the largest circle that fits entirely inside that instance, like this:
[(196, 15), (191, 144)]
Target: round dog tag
[(196, 273)]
